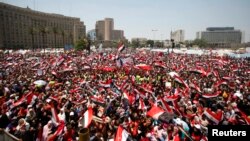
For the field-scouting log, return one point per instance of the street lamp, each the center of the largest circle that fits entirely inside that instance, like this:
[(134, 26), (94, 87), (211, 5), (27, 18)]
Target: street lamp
[(154, 30)]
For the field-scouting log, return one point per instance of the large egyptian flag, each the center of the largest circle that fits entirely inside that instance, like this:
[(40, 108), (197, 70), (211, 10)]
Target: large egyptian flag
[(159, 114), (121, 47), (122, 135), (87, 117), (216, 117)]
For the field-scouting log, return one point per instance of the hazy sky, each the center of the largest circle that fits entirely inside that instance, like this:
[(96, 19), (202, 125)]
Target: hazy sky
[(139, 17)]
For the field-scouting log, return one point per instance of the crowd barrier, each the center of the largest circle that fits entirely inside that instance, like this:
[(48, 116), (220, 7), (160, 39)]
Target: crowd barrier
[(5, 136)]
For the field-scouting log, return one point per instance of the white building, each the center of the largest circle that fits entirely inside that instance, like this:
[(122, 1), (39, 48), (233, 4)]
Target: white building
[(221, 36), (92, 34), (178, 35)]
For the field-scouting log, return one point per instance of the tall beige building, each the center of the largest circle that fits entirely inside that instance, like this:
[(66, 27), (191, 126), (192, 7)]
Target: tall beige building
[(100, 30), (109, 27), (26, 28), (118, 35), (105, 30)]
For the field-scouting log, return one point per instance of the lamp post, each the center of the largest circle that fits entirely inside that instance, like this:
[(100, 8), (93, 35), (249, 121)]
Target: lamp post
[(154, 30)]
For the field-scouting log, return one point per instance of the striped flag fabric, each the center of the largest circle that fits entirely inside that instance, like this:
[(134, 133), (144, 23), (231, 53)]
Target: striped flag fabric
[(121, 134), (55, 117), (215, 117), (106, 84), (180, 80), (141, 104), (165, 106), (121, 47), (98, 100), (196, 87), (211, 95), (141, 94), (129, 97), (87, 117), (159, 114)]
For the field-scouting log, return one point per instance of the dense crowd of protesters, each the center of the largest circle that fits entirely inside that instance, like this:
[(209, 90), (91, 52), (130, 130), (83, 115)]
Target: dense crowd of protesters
[(196, 90)]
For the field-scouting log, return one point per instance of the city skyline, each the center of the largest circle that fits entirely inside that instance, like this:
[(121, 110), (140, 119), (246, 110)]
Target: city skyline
[(139, 18)]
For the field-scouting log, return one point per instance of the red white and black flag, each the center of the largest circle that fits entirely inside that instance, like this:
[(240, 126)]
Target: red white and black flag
[(121, 47), (159, 114), (87, 117), (121, 134)]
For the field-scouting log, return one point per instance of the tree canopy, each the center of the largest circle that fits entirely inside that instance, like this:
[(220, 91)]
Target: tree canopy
[(200, 42), (81, 44)]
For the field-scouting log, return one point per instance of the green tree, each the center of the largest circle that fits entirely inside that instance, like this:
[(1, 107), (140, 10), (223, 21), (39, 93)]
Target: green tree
[(71, 38), (135, 43), (32, 32), (55, 32), (188, 43), (63, 37), (158, 44), (44, 31), (150, 42), (81, 44), (200, 42)]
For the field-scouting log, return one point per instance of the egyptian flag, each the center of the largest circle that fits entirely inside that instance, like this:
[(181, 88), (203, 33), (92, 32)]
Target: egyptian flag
[(122, 134), (146, 89), (227, 78), (141, 104), (98, 100), (215, 72), (121, 47), (180, 80), (23, 99), (60, 61), (106, 84), (215, 117), (220, 83), (165, 106), (143, 67), (211, 95), (141, 94), (31, 98), (55, 117), (19, 102), (87, 117), (159, 114), (128, 97), (196, 87), (58, 131), (171, 98), (200, 70), (160, 64), (128, 61)]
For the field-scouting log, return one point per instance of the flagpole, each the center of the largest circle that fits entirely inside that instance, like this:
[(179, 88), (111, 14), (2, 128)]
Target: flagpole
[(186, 134)]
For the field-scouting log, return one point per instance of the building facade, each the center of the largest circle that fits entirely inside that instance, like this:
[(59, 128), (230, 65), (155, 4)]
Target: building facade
[(105, 30), (178, 36), (221, 36), (118, 35), (92, 34), (108, 30), (26, 28)]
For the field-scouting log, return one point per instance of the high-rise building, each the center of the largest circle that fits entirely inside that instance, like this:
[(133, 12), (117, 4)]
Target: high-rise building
[(109, 27), (105, 30), (177, 36), (100, 30), (118, 35), (220, 36), (26, 28)]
